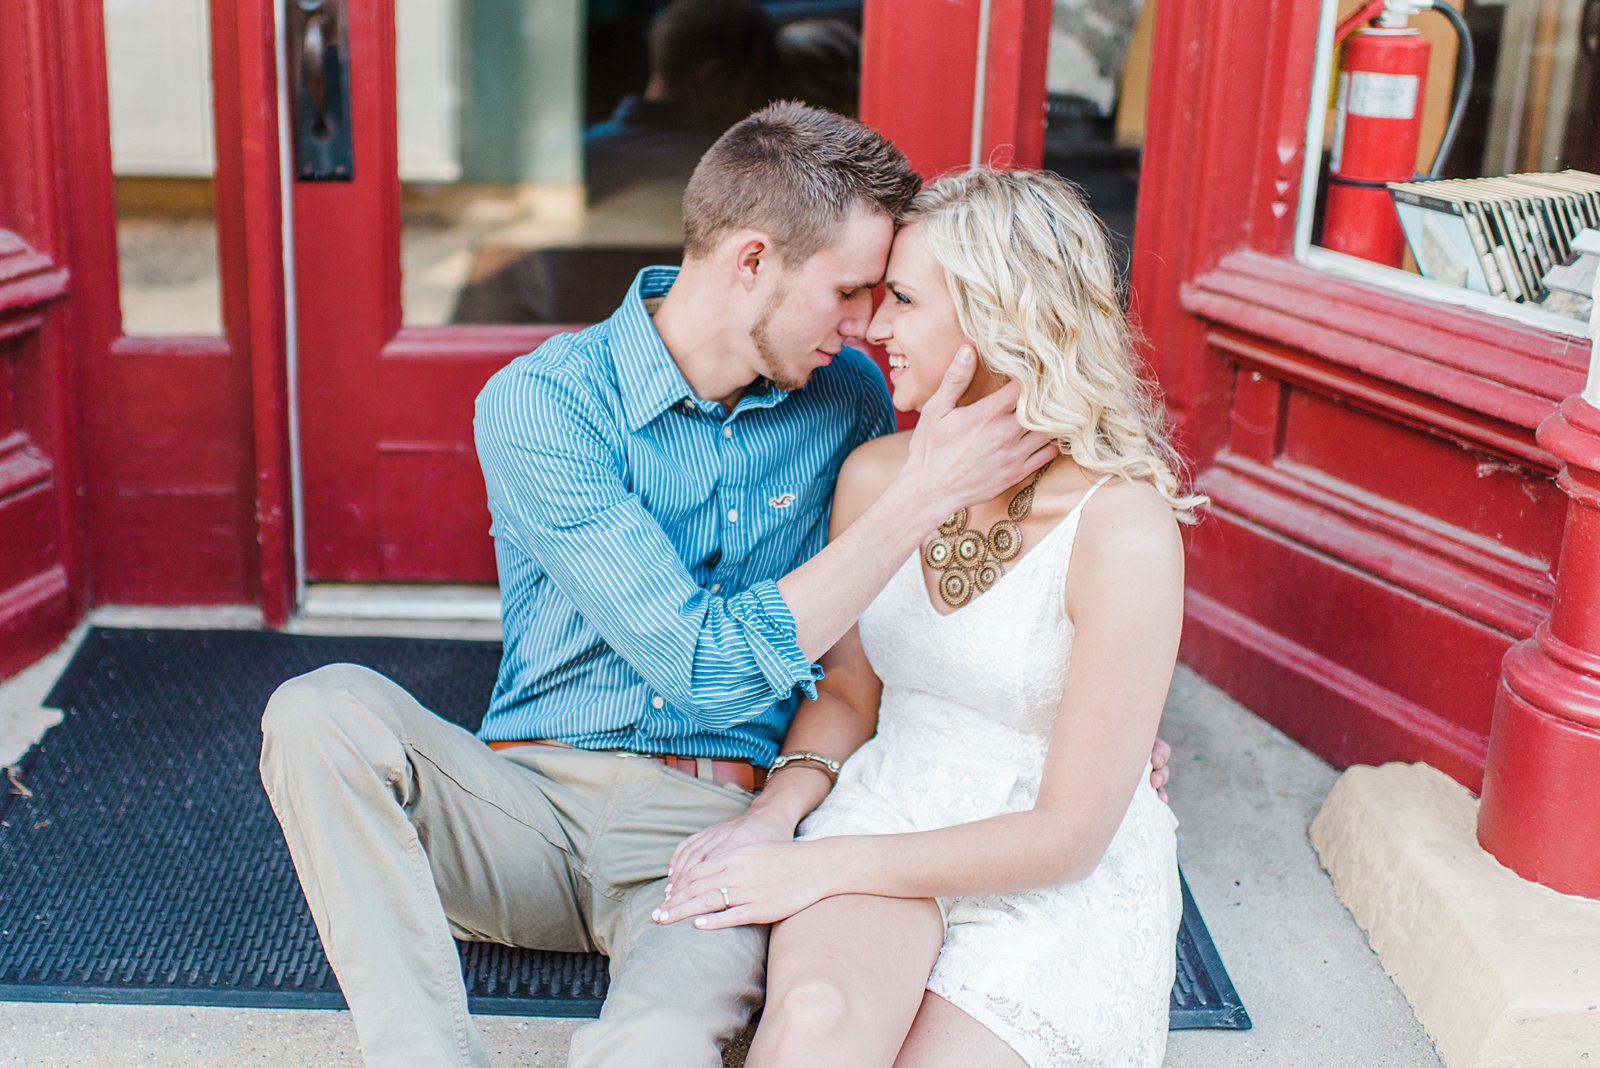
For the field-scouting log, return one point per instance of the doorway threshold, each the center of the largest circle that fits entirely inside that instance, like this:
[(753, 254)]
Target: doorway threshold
[(401, 600)]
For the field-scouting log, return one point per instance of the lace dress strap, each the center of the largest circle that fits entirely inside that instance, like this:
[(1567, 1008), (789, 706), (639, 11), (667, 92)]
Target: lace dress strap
[(1063, 553)]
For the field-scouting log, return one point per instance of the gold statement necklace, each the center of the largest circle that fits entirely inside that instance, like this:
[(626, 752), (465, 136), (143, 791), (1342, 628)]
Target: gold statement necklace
[(969, 563)]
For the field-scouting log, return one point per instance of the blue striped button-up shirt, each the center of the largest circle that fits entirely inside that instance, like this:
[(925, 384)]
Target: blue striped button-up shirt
[(639, 531)]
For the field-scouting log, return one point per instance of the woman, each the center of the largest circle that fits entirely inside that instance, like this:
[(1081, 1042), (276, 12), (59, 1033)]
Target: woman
[(993, 881)]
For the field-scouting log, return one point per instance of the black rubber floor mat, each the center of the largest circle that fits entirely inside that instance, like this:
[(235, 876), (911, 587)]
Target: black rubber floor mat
[(144, 866)]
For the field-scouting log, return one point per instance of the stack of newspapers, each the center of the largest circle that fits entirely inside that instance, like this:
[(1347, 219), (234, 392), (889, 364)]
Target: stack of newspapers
[(1510, 237)]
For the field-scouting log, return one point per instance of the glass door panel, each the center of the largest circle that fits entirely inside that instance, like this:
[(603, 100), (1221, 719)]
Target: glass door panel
[(544, 146)]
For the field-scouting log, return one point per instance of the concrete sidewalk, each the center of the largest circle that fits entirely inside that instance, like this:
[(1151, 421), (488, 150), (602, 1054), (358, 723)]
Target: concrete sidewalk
[(1245, 795)]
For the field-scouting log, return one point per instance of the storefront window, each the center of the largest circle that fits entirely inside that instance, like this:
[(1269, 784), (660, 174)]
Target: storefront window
[(1460, 153), (545, 144)]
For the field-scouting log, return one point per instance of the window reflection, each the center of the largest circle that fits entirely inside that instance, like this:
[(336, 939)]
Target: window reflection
[(708, 64), (545, 144)]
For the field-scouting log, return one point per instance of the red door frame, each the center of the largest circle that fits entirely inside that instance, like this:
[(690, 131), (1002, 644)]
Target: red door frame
[(1371, 453), (919, 75), (244, 35), (43, 551), (183, 439)]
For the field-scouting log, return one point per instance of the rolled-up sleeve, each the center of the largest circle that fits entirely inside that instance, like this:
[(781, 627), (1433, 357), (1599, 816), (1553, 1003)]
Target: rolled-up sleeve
[(766, 615), (554, 465)]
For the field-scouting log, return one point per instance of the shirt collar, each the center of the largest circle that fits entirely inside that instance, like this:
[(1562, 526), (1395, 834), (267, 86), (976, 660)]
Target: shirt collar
[(648, 377)]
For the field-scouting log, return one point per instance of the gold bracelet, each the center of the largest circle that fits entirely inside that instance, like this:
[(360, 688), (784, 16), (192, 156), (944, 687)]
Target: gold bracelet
[(806, 756)]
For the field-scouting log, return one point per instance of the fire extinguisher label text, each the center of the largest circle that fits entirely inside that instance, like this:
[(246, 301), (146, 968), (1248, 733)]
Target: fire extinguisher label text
[(1383, 96)]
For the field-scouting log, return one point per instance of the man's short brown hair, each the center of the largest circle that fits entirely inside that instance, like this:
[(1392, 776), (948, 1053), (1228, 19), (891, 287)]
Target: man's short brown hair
[(795, 172)]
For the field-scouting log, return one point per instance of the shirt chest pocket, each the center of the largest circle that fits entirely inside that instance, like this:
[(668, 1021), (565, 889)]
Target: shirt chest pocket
[(793, 514)]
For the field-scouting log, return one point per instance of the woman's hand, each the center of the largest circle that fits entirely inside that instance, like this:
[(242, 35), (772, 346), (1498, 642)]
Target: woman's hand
[(752, 826), (765, 882)]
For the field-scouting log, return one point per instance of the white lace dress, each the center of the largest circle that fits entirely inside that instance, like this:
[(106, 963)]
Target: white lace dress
[(1068, 975)]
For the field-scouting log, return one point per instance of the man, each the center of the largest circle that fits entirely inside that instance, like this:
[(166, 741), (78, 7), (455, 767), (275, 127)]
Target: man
[(649, 480)]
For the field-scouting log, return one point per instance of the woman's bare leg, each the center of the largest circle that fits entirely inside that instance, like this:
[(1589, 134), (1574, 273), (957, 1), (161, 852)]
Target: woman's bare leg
[(942, 1036), (845, 979)]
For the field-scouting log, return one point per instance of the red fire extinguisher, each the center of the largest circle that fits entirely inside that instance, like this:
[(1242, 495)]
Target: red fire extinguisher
[(1378, 122)]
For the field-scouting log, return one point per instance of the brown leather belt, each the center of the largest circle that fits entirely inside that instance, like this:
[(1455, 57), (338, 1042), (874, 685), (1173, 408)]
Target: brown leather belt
[(722, 772)]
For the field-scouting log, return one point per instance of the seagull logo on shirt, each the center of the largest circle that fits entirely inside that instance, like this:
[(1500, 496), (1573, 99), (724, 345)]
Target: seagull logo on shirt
[(782, 500)]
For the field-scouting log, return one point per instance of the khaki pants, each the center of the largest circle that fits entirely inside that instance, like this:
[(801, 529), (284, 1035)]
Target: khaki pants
[(406, 830)]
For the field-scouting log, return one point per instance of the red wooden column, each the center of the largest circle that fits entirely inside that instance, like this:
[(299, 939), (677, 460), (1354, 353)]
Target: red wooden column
[(1539, 816), (244, 68), (924, 65), (923, 69)]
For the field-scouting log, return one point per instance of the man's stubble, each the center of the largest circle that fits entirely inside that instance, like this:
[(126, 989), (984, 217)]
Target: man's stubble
[(761, 337)]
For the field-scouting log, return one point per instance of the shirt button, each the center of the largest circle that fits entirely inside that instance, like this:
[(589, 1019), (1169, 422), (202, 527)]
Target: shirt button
[(715, 586), (733, 515), (727, 431), (656, 702), (688, 405)]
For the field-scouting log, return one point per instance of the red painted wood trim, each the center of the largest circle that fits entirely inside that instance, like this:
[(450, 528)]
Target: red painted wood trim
[(918, 71), (28, 277), (471, 342), (1500, 588), (250, 221), (20, 466), (1498, 367), (1413, 403), (917, 75), (64, 440), (1538, 815), (91, 249), (170, 346), (347, 279), (25, 293), (1338, 713), (1218, 194), (165, 425), (1014, 94), (1166, 246), (15, 326), (1215, 290), (44, 556), (34, 617), (917, 79)]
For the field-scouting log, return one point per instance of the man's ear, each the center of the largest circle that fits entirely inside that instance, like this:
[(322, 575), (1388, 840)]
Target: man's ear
[(752, 256)]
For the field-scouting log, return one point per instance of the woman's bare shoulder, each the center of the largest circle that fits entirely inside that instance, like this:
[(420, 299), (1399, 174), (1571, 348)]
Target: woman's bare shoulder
[(1129, 521), (1127, 555), (866, 473)]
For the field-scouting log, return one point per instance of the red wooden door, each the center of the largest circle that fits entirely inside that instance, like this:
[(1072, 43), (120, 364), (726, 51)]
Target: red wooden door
[(390, 487)]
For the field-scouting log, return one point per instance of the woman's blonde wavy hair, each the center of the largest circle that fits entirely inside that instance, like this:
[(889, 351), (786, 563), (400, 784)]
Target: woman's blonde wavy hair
[(1027, 266)]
